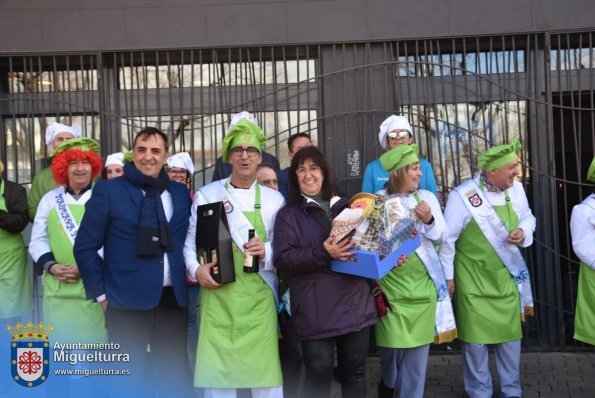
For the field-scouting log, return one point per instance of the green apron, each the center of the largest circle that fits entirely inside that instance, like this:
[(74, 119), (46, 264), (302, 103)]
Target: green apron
[(412, 294), (584, 320), (75, 319), (487, 302), (15, 286), (238, 343)]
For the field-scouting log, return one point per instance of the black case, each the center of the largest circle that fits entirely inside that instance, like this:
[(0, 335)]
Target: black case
[(212, 233)]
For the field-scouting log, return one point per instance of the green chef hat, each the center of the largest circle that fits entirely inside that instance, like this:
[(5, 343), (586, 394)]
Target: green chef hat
[(243, 132), (83, 143), (399, 157), (591, 172), (499, 156)]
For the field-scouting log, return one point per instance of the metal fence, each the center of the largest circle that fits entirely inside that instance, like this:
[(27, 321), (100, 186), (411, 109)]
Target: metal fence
[(461, 95)]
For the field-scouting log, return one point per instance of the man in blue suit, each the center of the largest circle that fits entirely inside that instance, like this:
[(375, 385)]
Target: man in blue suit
[(141, 220)]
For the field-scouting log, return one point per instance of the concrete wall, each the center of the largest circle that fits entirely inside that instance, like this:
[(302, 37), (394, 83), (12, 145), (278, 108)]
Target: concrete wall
[(89, 25)]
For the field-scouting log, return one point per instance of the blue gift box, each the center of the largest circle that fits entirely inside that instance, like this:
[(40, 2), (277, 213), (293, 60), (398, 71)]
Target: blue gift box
[(369, 264)]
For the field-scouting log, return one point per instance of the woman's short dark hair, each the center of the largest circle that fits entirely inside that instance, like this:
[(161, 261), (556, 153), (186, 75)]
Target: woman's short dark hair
[(313, 154)]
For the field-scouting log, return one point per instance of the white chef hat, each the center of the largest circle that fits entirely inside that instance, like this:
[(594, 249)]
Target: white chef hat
[(392, 123), (115, 158), (56, 128), (241, 116), (181, 160)]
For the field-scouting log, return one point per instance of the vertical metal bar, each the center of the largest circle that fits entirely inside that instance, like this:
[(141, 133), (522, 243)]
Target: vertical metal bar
[(472, 136), (68, 89), (298, 85), (309, 73), (286, 91), (125, 92), (503, 88), (201, 112), (145, 72), (170, 116), (158, 90), (83, 111), (553, 198), (181, 66), (517, 88), (275, 89)]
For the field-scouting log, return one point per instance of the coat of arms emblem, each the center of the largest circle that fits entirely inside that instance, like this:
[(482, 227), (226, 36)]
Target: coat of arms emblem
[(30, 353), (475, 200)]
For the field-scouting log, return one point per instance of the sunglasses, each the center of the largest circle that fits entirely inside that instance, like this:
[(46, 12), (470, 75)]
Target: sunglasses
[(398, 135)]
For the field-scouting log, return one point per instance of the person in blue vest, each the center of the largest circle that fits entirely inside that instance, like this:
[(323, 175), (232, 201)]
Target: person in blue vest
[(395, 131)]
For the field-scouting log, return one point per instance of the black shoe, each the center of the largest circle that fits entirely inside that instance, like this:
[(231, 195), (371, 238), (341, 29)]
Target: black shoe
[(384, 391)]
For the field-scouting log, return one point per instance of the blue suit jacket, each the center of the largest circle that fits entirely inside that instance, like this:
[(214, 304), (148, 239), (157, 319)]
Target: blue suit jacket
[(112, 219)]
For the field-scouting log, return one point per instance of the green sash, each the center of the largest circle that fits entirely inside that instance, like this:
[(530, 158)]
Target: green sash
[(495, 230), (75, 319), (446, 328)]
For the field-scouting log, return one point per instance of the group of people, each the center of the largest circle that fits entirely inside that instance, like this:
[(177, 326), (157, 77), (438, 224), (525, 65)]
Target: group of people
[(120, 263)]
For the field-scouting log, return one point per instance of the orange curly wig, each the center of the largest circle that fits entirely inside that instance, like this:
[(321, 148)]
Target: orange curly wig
[(62, 160)]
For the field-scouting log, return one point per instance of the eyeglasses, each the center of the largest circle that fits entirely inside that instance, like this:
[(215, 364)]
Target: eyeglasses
[(176, 172), (239, 151), (301, 171), (398, 135)]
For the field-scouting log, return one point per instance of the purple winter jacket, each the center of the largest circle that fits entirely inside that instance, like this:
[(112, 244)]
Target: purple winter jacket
[(323, 303)]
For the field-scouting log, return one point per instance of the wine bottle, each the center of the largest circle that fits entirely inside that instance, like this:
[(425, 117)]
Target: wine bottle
[(250, 262)]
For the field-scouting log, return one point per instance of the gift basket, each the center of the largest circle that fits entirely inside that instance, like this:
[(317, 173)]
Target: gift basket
[(382, 229)]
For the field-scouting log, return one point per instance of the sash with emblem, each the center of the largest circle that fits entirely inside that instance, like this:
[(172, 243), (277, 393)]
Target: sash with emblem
[(496, 234)]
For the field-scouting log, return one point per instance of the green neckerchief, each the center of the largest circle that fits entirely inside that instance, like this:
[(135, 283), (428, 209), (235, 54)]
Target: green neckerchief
[(508, 206)]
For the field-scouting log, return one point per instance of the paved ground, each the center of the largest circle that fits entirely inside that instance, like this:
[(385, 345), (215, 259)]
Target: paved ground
[(544, 374)]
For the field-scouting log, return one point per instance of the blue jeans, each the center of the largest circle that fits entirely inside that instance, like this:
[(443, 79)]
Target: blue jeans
[(193, 323)]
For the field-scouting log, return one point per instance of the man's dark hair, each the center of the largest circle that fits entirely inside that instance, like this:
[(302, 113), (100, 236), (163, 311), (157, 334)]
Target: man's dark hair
[(148, 132), (265, 166), (293, 137), (328, 189)]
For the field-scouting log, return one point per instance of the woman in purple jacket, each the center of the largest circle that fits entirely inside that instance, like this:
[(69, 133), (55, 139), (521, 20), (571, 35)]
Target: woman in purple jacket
[(328, 309)]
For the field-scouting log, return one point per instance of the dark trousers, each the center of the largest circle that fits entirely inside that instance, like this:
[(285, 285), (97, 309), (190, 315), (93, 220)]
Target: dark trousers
[(319, 358), (292, 364), (164, 329)]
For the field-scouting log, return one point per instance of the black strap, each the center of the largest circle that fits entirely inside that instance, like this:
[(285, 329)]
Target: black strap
[(318, 216)]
